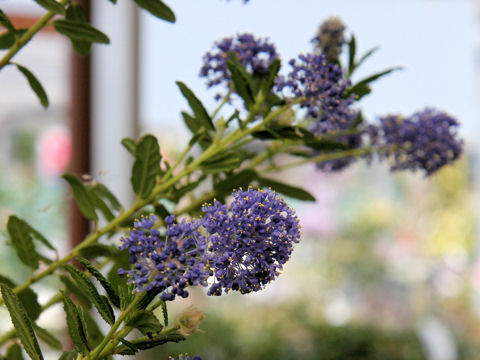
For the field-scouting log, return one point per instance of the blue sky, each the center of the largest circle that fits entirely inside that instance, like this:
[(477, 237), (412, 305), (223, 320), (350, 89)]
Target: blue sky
[(436, 41)]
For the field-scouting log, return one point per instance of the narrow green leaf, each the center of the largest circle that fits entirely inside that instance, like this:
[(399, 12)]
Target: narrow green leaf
[(360, 90), (94, 334), (147, 166), (112, 294), (366, 56), (22, 242), (79, 30), (148, 343), (79, 292), (84, 202), (201, 114), (47, 338), (21, 322), (377, 76), (34, 85), (75, 12), (7, 39), (75, 325), (35, 234), (129, 345), (242, 81), (6, 23), (99, 250), (51, 5), (126, 297), (130, 145), (27, 297), (14, 352), (103, 192), (145, 321), (104, 309), (68, 355), (165, 313), (100, 205), (157, 8), (224, 162), (236, 180), (352, 48), (326, 145), (286, 189), (273, 70)]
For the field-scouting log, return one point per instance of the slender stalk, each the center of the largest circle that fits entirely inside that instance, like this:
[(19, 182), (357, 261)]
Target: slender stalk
[(28, 35), (224, 101)]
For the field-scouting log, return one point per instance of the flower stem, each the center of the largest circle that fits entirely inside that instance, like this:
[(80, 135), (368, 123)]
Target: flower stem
[(28, 35)]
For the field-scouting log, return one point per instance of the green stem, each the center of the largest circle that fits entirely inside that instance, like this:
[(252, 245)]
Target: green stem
[(110, 337), (28, 35), (224, 101)]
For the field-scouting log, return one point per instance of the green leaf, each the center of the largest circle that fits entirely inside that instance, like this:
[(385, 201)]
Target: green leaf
[(103, 307), (100, 205), (99, 250), (283, 132), (360, 89), (14, 352), (157, 8), (273, 70), (47, 338), (165, 313), (22, 242), (94, 334), (130, 145), (76, 13), (224, 162), (103, 192), (201, 114), (79, 30), (377, 76), (68, 355), (51, 5), (21, 322), (352, 47), (80, 294), (236, 180), (241, 80), (286, 189), (84, 202), (147, 299), (129, 345), (7, 39), (197, 130), (34, 85), (27, 297), (75, 323), (145, 321), (147, 166), (112, 294), (5, 21), (126, 297), (148, 343), (366, 56), (35, 234), (325, 145)]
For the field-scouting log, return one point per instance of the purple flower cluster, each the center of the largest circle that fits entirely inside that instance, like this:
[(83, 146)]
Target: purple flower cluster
[(167, 264), (244, 247), (322, 86), (330, 38), (250, 243), (426, 141), (255, 54), (185, 357)]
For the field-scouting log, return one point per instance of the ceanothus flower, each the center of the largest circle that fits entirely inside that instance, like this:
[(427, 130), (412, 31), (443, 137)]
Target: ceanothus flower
[(255, 54), (250, 242), (185, 357), (330, 39), (169, 263), (322, 86), (426, 141)]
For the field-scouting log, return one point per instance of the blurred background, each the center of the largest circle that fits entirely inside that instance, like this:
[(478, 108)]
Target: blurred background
[(388, 267)]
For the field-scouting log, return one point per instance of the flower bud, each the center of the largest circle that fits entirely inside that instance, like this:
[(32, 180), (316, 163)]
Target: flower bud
[(189, 320)]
